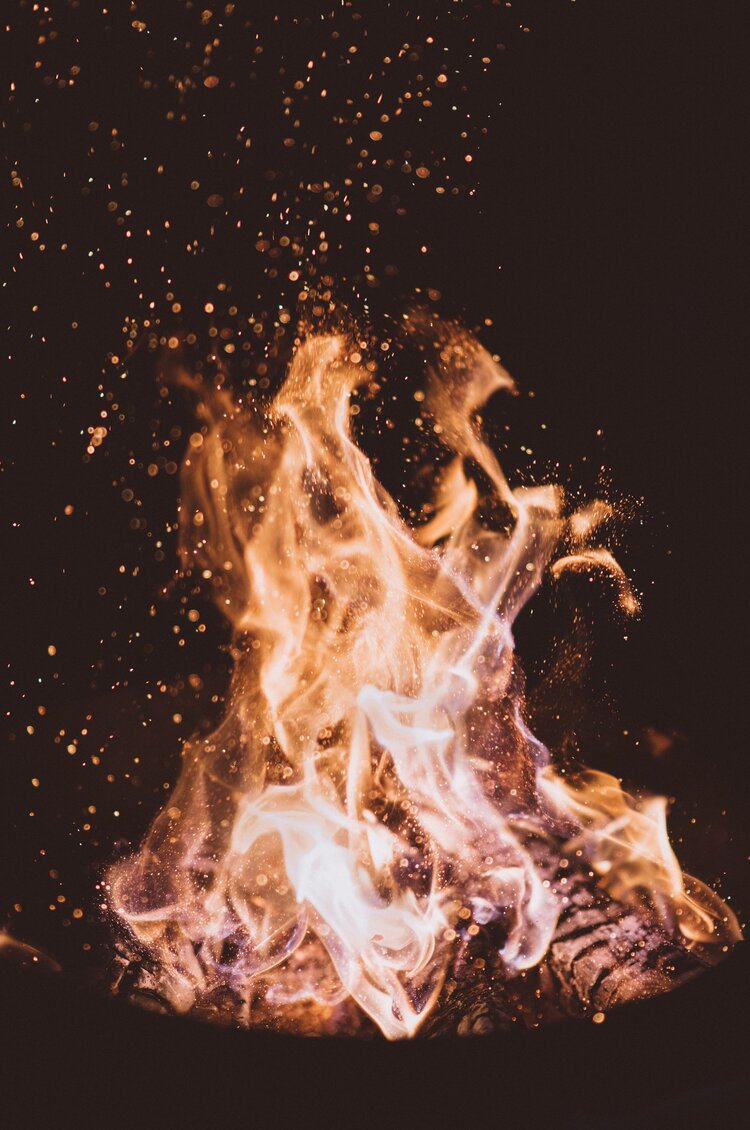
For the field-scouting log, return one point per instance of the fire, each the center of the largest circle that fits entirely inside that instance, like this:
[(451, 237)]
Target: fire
[(373, 790)]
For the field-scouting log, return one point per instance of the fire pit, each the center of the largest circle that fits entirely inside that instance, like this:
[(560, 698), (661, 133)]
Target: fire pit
[(316, 845), (671, 1061), (372, 842)]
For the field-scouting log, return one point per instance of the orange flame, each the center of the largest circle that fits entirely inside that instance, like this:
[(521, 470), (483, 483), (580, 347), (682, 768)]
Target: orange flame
[(373, 778)]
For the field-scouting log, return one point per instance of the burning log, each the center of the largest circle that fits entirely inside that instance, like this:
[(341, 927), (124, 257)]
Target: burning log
[(602, 954)]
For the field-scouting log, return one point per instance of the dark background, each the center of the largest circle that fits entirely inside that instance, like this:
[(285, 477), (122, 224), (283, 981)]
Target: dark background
[(596, 240)]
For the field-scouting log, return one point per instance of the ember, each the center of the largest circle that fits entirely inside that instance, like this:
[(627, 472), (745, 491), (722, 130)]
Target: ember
[(373, 838)]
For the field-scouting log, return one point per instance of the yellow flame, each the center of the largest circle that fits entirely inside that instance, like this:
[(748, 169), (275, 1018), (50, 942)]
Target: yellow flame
[(626, 842), (373, 778)]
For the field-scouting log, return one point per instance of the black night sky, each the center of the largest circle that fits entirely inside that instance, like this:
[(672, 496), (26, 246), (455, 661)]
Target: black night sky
[(196, 180)]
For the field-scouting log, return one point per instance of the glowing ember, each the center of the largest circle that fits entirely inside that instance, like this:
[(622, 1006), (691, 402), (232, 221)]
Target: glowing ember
[(373, 802)]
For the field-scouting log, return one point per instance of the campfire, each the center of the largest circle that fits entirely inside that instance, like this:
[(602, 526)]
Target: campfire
[(373, 840)]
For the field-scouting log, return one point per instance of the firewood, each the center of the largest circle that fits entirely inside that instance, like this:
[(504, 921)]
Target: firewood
[(602, 954)]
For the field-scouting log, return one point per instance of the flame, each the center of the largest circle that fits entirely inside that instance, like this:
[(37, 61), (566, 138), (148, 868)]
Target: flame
[(373, 783), (25, 955)]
